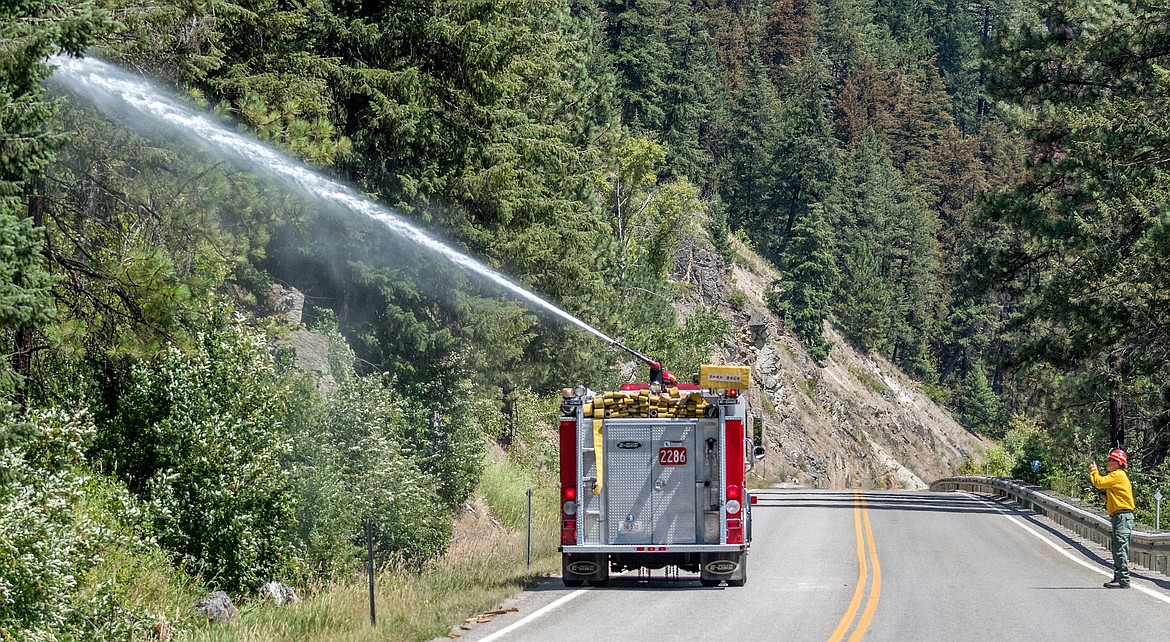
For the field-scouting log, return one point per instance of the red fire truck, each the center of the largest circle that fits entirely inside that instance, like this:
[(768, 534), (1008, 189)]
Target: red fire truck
[(652, 476)]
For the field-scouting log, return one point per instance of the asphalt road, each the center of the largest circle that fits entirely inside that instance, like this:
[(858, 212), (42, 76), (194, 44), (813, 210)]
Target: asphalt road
[(843, 565)]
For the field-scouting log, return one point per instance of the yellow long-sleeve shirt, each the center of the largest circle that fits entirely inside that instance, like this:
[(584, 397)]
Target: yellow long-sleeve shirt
[(1118, 490)]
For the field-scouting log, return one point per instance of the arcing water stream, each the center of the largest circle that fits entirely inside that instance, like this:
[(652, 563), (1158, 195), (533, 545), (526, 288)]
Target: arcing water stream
[(124, 96)]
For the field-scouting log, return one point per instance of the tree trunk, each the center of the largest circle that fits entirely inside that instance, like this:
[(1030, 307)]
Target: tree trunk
[(23, 341), (982, 109), (1116, 421)]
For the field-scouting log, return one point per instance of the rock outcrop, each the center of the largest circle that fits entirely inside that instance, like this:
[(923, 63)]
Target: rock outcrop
[(856, 422), (310, 350)]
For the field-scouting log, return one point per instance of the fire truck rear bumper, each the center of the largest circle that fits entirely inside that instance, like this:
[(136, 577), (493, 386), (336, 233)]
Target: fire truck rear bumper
[(656, 548)]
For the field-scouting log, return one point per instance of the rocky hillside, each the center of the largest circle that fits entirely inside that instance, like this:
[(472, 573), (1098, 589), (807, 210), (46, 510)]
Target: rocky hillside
[(856, 422)]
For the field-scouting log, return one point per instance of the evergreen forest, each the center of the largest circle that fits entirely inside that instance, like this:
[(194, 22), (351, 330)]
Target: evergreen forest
[(976, 190)]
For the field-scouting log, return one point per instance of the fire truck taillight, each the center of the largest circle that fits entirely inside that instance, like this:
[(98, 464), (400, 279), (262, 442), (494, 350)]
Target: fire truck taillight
[(732, 507), (733, 492), (570, 496), (568, 440)]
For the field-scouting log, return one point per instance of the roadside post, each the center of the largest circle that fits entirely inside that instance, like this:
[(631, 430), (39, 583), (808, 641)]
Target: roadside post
[(1157, 510), (528, 548), (370, 568)]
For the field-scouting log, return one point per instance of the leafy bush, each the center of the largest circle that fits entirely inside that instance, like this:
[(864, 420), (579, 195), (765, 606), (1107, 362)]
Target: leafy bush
[(198, 434), (444, 431), (50, 542), (350, 463)]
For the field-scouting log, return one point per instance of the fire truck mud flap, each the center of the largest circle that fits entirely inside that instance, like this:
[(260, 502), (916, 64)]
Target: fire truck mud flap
[(576, 569), (720, 567)]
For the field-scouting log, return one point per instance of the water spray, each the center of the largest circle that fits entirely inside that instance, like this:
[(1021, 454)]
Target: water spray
[(117, 93)]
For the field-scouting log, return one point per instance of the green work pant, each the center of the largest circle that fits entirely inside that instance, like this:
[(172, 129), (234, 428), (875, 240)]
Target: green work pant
[(1122, 529)]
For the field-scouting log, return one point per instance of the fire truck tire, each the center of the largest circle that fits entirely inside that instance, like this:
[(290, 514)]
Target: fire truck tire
[(573, 583), (709, 582)]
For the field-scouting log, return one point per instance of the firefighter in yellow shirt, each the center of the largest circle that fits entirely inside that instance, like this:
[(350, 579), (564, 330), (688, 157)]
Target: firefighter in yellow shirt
[(1119, 504)]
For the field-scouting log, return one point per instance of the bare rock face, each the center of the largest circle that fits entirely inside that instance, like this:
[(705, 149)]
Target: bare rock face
[(856, 422), (288, 302), (279, 592), (310, 350), (311, 354), (217, 606)]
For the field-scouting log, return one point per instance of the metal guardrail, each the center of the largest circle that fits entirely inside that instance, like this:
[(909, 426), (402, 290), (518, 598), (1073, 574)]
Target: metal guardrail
[(1150, 550)]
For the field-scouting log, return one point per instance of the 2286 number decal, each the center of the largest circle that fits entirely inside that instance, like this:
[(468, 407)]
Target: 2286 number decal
[(672, 456)]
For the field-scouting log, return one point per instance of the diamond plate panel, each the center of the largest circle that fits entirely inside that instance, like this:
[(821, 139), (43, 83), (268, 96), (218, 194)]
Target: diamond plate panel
[(710, 527), (628, 455), (674, 486)]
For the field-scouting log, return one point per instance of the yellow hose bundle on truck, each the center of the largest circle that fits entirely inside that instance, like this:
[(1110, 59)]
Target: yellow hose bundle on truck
[(644, 404)]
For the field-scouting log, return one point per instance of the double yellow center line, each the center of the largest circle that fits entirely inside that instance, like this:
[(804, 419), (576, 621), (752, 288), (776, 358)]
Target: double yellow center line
[(864, 542)]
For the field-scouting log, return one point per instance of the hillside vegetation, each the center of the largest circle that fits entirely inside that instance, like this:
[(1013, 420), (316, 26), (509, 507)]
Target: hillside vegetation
[(863, 199)]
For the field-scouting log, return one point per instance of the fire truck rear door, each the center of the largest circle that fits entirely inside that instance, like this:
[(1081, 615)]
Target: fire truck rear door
[(672, 483)]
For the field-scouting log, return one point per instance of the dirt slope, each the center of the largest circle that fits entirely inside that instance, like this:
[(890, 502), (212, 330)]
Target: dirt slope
[(857, 422)]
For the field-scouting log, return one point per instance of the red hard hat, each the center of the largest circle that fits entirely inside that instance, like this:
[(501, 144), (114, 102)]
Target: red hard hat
[(1118, 455), (668, 377)]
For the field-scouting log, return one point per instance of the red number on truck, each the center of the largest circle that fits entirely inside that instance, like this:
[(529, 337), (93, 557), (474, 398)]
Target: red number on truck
[(672, 456)]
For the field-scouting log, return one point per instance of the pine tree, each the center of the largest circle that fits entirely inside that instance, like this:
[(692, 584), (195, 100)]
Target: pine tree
[(808, 159), (846, 35), (637, 32), (886, 243), (695, 108), (809, 279), (910, 24), (788, 35), (981, 410), (1081, 242), (30, 32), (747, 174)]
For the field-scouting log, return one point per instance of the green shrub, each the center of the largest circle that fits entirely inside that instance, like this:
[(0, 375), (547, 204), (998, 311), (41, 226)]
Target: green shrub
[(683, 350), (996, 462), (51, 542), (351, 463), (444, 431), (870, 380), (198, 434)]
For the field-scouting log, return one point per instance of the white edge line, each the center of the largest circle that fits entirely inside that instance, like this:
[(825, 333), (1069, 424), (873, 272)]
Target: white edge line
[(532, 616), (1060, 549)]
